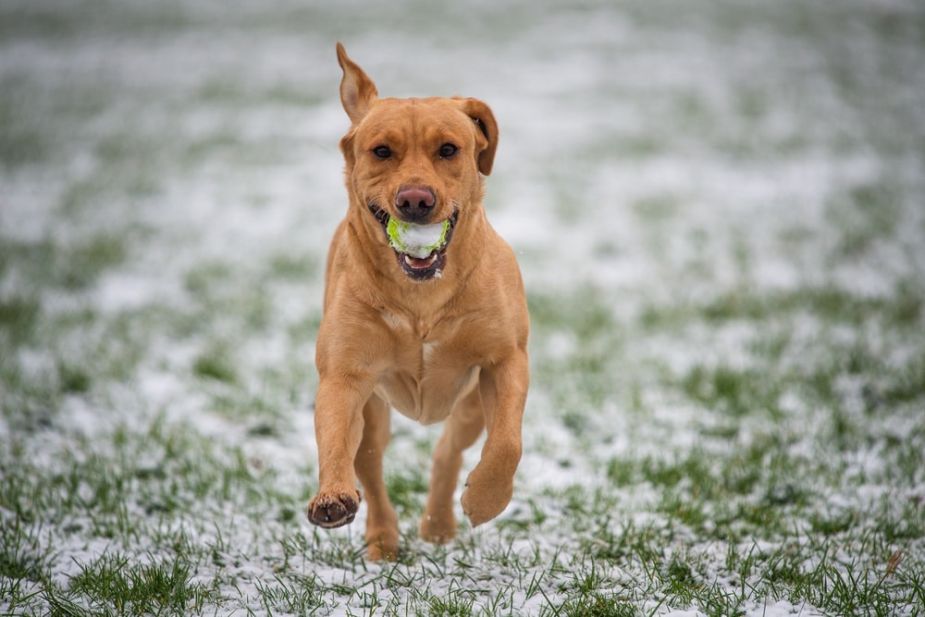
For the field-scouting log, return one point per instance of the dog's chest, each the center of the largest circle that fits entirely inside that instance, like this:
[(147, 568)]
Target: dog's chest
[(430, 370)]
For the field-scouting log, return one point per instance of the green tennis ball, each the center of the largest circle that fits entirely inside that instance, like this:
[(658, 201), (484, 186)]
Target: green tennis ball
[(417, 240)]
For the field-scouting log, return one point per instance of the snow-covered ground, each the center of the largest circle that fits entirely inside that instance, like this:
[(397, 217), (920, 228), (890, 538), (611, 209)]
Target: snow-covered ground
[(719, 211)]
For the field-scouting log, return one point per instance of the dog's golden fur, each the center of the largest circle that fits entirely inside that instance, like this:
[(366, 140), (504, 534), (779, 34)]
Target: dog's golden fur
[(452, 347)]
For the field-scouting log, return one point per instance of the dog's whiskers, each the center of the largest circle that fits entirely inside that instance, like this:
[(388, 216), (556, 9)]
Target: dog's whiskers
[(381, 215)]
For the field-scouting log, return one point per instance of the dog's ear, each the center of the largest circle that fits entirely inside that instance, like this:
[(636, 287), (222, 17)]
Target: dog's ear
[(486, 132), (346, 147), (357, 90)]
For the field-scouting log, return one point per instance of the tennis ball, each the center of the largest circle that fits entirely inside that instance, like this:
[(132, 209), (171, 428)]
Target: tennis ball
[(417, 240)]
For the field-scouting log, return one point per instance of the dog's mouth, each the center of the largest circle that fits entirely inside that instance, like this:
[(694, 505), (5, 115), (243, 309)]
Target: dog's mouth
[(422, 265)]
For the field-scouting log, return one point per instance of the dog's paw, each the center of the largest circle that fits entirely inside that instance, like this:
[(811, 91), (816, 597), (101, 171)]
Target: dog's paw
[(437, 529), (485, 498), (382, 546), (331, 510)]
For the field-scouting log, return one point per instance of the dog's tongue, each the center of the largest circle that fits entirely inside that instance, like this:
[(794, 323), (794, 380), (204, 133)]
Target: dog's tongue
[(421, 264)]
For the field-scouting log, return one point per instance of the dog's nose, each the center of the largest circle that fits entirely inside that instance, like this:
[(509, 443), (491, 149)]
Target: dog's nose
[(415, 203)]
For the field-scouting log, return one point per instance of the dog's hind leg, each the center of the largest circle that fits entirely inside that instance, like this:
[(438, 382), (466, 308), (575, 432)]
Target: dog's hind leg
[(461, 430), (381, 520)]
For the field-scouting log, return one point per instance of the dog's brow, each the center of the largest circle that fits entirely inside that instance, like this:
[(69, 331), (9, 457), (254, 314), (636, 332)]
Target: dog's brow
[(444, 131), (379, 137)]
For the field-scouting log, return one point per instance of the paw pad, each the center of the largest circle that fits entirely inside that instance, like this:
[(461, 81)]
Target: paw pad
[(333, 511)]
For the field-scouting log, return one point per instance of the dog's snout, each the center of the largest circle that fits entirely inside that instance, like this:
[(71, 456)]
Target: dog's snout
[(415, 203)]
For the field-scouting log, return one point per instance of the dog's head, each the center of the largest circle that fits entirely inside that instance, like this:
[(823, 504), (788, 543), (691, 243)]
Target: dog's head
[(416, 160)]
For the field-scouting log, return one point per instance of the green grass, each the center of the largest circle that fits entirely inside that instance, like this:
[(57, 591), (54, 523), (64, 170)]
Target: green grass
[(112, 583), (215, 364), (18, 316), (74, 266), (408, 491)]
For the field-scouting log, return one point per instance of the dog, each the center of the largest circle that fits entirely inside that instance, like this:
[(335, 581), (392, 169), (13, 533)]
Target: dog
[(438, 338)]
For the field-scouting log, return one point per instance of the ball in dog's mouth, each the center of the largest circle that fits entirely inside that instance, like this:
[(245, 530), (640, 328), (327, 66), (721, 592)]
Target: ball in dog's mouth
[(421, 249)]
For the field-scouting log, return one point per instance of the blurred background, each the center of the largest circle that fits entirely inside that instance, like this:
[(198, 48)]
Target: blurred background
[(718, 209)]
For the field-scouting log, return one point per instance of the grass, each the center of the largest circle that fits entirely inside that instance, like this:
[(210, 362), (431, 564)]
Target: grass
[(720, 231), (112, 583)]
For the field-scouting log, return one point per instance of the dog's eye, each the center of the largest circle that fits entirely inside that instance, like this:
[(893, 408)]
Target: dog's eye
[(448, 150), (382, 152)]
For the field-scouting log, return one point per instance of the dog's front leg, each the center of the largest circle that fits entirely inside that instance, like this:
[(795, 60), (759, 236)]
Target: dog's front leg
[(491, 484), (338, 431)]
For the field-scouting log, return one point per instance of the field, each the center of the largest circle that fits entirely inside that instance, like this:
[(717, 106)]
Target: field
[(719, 211)]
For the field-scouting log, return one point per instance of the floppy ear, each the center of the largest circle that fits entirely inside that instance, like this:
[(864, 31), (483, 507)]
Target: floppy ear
[(357, 90), (346, 148), (486, 132)]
